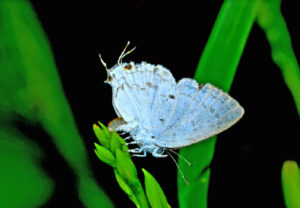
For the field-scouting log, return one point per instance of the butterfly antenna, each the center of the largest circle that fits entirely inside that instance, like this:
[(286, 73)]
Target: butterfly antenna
[(124, 53), (185, 180), (103, 63), (181, 157)]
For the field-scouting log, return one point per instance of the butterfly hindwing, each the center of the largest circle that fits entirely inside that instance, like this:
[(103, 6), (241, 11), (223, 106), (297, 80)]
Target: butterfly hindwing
[(210, 112), (184, 93)]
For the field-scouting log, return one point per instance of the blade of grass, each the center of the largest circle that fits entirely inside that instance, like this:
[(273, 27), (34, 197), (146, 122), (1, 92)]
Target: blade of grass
[(155, 194), (217, 65), (272, 22), (290, 177), (30, 87)]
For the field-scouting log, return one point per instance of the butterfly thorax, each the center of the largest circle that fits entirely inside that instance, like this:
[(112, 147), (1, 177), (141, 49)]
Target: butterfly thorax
[(146, 143), (143, 138)]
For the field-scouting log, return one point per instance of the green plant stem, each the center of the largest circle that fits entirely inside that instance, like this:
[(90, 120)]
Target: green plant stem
[(272, 22), (217, 66)]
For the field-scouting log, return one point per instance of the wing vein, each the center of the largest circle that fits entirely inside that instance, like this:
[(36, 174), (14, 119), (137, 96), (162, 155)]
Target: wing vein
[(171, 113)]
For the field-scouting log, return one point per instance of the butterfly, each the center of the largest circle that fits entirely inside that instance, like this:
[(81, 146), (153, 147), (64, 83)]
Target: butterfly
[(159, 113)]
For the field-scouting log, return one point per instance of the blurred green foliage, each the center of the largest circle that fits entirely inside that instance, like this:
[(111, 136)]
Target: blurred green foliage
[(20, 169), (290, 177), (31, 89), (272, 22)]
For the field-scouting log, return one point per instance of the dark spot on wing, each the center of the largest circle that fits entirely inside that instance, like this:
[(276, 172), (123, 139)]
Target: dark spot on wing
[(149, 84), (128, 67), (166, 73), (161, 119), (172, 96), (152, 137), (155, 69), (200, 86)]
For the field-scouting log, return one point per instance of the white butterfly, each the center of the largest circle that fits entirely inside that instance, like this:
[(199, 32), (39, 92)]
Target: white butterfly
[(161, 114)]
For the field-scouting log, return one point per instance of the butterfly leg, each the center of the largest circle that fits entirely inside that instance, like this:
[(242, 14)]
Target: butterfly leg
[(138, 150), (157, 152), (122, 133), (126, 138), (140, 155), (133, 142)]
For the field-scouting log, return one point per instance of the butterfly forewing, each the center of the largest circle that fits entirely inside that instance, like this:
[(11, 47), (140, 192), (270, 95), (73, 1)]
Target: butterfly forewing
[(136, 77), (163, 102), (125, 100), (140, 93)]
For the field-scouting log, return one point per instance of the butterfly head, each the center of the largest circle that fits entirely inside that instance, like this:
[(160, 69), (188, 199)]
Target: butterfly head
[(119, 63)]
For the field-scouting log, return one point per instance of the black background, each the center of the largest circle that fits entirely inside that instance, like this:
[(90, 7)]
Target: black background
[(246, 169)]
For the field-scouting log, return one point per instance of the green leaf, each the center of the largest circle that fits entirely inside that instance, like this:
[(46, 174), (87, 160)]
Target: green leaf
[(125, 149), (217, 66), (126, 168), (155, 194), (126, 188), (222, 53), (106, 132), (128, 173), (272, 22), (195, 194), (115, 143), (290, 177), (101, 135), (105, 155)]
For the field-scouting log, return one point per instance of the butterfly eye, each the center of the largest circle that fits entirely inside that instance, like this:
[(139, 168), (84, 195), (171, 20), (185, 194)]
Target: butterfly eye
[(160, 151)]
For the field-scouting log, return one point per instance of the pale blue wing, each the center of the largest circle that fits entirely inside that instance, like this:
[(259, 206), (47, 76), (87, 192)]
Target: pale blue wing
[(205, 112), (140, 93), (162, 103), (184, 93)]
